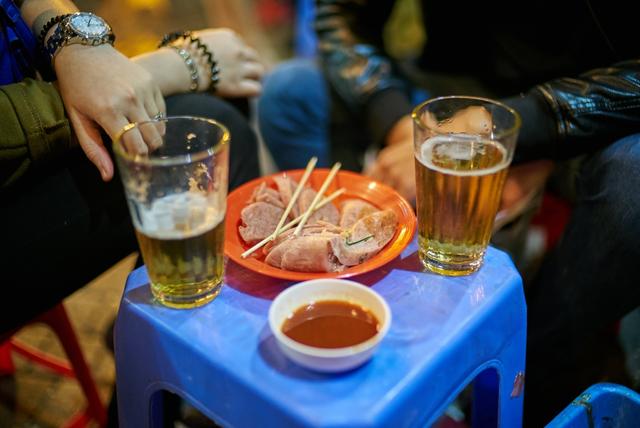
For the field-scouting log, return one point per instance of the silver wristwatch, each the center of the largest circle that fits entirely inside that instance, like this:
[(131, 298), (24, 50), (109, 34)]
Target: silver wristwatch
[(79, 28)]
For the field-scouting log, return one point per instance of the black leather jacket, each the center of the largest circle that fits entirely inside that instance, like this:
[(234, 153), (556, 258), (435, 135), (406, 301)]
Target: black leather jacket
[(536, 56)]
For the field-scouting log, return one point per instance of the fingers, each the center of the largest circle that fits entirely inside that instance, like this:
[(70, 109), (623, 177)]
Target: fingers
[(407, 187), (249, 54), (248, 88), (152, 132), (478, 120), (395, 167), (162, 108), (149, 133), (473, 119), (159, 100), (253, 70), (142, 139), (376, 170), (88, 135), (114, 122)]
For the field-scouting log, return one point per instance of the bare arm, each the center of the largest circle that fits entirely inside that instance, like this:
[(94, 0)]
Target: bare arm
[(241, 69), (37, 12)]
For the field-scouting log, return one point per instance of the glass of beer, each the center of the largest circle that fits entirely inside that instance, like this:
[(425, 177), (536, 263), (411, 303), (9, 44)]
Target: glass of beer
[(463, 147), (175, 175)]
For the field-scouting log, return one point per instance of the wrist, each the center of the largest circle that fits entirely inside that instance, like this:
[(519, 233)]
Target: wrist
[(69, 51), (203, 68), (167, 69), (80, 28)]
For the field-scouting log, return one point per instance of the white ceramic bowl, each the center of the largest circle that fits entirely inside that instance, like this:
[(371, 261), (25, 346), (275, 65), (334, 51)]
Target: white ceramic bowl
[(323, 359)]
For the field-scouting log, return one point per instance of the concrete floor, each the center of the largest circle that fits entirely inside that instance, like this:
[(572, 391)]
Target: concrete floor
[(35, 397)]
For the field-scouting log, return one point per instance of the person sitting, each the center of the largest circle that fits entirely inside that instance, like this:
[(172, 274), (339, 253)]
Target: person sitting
[(571, 70), (65, 219)]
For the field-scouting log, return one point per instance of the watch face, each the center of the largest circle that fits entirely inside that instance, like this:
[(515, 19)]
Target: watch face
[(88, 25)]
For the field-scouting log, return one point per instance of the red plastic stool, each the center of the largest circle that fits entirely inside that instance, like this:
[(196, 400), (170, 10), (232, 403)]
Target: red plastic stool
[(58, 320)]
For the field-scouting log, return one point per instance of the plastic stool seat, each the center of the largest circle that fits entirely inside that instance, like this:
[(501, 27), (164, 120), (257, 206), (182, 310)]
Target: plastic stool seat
[(446, 332), (602, 405)]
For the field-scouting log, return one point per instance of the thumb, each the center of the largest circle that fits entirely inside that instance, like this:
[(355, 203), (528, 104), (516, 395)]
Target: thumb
[(377, 169), (88, 134)]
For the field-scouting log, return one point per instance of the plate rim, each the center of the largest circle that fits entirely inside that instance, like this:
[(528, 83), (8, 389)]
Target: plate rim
[(273, 272)]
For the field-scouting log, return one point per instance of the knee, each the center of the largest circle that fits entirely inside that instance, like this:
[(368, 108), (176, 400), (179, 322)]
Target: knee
[(295, 89), (609, 180), (616, 166), (211, 107)]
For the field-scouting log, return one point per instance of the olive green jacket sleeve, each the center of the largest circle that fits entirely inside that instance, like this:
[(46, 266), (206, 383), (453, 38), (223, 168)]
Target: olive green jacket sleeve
[(34, 129)]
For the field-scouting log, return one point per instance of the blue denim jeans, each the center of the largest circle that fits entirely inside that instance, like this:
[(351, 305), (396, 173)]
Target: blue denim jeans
[(295, 118), (587, 283), (294, 114)]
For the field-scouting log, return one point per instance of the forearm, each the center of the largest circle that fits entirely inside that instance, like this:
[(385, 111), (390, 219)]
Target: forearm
[(401, 131), (356, 64), (37, 12), (352, 54), (571, 116), (167, 69)]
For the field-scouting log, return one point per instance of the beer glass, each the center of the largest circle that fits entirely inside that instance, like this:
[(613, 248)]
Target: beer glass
[(175, 175), (463, 147)]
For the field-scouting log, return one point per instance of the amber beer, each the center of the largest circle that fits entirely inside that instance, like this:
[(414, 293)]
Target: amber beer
[(459, 179), (176, 188), (182, 247)]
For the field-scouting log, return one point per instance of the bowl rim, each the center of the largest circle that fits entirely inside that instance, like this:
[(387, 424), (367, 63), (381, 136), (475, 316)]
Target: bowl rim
[(313, 351)]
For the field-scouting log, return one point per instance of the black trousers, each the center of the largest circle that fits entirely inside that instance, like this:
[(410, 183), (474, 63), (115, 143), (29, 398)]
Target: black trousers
[(62, 226)]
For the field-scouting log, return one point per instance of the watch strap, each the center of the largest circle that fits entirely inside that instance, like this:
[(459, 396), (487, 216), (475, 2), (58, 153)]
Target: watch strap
[(63, 35), (48, 25), (54, 42)]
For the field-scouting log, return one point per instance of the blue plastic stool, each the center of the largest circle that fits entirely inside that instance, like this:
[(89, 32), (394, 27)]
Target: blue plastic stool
[(223, 360), (603, 405)]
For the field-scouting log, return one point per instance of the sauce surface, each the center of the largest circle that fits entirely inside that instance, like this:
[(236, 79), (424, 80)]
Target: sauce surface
[(331, 324)]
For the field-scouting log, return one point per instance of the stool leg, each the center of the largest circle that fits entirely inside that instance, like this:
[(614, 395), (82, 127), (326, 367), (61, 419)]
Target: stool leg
[(485, 399), (139, 404), (498, 392), (59, 321), (511, 393), (6, 362)]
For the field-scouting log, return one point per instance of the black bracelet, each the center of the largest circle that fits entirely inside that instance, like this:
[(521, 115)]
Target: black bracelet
[(47, 26), (169, 38), (200, 47)]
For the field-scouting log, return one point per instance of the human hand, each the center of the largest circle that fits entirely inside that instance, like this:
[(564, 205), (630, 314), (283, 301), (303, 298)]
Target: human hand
[(523, 182), (470, 120), (240, 68), (101, 88), (395, 165)]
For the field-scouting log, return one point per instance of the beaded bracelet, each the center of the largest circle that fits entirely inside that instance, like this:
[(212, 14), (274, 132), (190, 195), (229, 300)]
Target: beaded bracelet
[(201, 48), (191, 66)]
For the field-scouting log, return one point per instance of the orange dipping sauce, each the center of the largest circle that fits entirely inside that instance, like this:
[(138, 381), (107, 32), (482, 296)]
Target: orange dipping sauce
[(331, 324)]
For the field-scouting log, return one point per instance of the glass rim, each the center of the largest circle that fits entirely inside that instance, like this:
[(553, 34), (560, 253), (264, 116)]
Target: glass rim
[(222, 142), (415, 114)]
